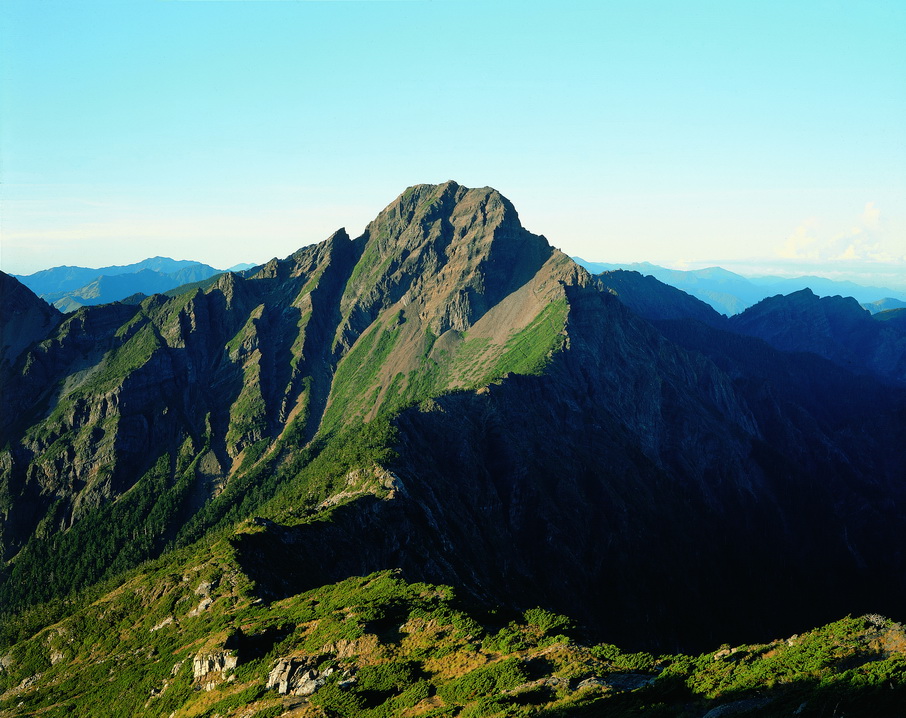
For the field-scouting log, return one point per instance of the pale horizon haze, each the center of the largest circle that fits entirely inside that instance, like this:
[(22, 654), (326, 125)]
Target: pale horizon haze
[(764, 137)]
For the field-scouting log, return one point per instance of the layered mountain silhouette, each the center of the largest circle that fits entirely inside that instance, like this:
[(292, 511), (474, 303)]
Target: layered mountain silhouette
[(836, 328), (450, 396), (69, 288), (730, 293), (652, 299)]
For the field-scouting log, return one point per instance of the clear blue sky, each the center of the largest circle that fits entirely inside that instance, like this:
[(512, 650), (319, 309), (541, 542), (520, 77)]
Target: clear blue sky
[(760, 134)]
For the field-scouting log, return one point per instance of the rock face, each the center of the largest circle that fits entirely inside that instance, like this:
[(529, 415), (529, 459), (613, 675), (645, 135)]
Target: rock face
[(295, 677), (218, 662), (551, 446)]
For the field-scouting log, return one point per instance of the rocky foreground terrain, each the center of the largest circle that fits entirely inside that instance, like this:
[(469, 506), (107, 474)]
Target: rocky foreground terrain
[(375, 477)]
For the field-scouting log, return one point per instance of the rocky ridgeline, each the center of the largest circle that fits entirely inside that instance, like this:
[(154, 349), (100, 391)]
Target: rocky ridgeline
[(381, 644)]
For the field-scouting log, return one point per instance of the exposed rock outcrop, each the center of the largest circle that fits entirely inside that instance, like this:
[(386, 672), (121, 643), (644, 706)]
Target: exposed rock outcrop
[(297, 677), (216, 662)]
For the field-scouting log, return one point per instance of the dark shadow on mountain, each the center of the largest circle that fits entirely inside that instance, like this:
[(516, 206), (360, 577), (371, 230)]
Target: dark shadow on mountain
[(670, 697), (249, 647), (494, 499)]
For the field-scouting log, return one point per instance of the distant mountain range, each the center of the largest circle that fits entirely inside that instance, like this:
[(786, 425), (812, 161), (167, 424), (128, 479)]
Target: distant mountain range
[(68, 288), (835, 328), (884, 305), (730, 293)]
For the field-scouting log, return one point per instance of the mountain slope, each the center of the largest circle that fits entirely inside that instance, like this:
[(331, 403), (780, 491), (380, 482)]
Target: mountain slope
[(189, 638), (449, 395), (896, 317), (882, 305)]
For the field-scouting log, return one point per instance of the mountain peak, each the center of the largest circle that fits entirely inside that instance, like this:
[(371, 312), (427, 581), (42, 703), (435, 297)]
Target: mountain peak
[(807, 300), (805, 293), (455, 245), (428, 203)]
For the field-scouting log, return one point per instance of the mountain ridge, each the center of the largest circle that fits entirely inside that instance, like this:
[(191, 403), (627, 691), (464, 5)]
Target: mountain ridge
[(26, 318), (450, 397)]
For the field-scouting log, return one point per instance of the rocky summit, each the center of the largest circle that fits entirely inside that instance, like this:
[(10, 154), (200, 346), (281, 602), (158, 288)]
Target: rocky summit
[(381, 473)]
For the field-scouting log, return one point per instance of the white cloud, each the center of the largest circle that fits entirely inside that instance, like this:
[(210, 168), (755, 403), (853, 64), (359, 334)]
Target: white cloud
[(802, 243), (865, 241)]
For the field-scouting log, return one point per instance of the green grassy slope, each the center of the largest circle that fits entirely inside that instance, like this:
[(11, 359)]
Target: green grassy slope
[(189, 637)]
